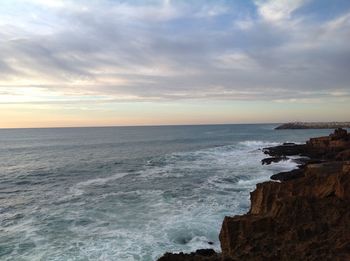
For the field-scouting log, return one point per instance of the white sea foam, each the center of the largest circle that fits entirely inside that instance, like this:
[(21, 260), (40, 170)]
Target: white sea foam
[(79, 188), (258, 143), (174, 219)]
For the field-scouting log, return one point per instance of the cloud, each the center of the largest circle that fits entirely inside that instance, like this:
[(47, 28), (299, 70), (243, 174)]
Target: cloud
[(275, 10), (111, 51)]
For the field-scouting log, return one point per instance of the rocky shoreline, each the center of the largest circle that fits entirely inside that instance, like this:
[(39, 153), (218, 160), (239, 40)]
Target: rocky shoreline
[(313, 125), (304, 214)]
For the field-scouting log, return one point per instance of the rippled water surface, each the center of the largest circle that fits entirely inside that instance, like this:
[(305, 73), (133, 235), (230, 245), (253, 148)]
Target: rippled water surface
[(127, 193)]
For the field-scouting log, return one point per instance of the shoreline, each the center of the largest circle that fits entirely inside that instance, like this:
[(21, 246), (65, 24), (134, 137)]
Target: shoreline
[(305, 215), (312, 125)]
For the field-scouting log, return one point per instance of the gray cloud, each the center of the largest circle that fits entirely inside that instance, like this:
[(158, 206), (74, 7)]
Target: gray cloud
[(178, 51)]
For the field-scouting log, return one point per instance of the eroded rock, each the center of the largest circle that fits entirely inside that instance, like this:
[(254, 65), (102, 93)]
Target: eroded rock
[(199, 255)]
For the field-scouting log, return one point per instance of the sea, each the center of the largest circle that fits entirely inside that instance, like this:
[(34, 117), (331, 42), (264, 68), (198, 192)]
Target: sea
[(128, 193)]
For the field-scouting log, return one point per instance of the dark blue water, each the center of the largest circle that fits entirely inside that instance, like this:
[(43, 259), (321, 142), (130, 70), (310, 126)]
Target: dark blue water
[(127, 193)]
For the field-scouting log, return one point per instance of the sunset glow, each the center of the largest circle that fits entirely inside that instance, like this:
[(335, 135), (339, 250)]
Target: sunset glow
[(93, 63)]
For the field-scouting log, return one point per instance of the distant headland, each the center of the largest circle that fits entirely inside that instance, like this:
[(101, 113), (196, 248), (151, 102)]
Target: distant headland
[(313, 125)]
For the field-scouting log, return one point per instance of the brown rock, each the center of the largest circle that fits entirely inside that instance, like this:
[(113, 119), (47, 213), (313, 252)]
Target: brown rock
[(199, 255), (302, 219), (288, 175), (339, 134), (328, 147), (343, 155)]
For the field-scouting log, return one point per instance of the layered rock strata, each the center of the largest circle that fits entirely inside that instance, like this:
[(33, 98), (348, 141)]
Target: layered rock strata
[(305, 215)]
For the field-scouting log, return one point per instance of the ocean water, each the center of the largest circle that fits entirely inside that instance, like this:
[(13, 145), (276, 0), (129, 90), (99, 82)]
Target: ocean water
[(128, 193)]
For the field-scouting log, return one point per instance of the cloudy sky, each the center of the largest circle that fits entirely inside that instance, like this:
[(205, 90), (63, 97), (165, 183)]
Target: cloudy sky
[(140, 62)]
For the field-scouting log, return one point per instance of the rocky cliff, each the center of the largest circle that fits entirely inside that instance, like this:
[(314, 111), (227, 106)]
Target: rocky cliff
[(303, 215)]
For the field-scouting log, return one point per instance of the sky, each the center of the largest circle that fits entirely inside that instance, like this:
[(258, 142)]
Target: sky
[(159, 62)]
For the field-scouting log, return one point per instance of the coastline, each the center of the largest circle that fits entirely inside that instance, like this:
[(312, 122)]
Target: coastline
[(312, 125), (305, 215)]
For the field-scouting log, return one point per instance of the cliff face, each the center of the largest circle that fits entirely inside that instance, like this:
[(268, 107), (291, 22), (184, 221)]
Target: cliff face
[(303, 219), (304, 216)]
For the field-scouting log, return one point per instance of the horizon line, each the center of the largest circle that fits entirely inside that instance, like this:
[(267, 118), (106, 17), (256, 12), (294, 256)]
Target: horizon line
[(168, 125), (146, 125)]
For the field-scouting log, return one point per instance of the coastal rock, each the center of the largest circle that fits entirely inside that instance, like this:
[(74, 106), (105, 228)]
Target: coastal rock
[(316, 149), (343, 155), (199, 255), (268, 161), (339, 134), (286, 150), (288, 175), (313, 125), (305, 216), (303, 219), (329, 146)]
